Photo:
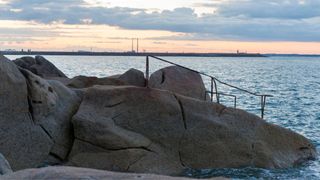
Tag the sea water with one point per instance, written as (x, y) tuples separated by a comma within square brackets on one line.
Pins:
[(293, 81)]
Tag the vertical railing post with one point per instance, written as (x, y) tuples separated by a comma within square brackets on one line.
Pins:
[(217, 93), (211, 92), (263, 105), (147, 71), (262, 110)]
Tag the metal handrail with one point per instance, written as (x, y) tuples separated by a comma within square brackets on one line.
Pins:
[(214, 85), (224, 94)]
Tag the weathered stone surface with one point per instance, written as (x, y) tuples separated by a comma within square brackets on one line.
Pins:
[(179, 80), (85, 82), (65, 81), (67, 173), (133, 77), (226, 137), (34, 117), (23, 143), (39, 66), (53, 106), (5, 167), (103, 131), (153, 131)]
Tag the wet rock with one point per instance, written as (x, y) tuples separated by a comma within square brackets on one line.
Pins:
[(179, 80), (147, 130), (39, 66)]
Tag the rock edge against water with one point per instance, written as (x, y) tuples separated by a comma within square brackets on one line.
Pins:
[(67, 173), (117, 124)]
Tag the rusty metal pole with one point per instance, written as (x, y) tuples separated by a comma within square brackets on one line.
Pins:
[(147, 71)]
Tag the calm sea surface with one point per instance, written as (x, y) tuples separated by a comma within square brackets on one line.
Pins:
[(294, 82)]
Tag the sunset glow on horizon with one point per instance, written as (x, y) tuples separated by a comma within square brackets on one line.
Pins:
[(205, 26)]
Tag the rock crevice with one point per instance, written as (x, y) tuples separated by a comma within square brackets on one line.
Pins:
[(118, 149), (182, 112)]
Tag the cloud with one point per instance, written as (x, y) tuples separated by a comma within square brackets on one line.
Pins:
[(283, 9), (108, 42), (158, 42), (25, 34), (242, 20)]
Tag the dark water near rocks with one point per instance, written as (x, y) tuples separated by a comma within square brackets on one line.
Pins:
[(294, 82)]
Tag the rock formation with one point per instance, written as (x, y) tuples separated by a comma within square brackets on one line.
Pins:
[(132, 77), (153, 131), (179, 80), (39, 66), (52, 105), (85, 82), (34, 117), (67, 173), (164, 130)]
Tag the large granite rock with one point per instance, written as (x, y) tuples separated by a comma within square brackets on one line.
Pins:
[(85, 82), (5, 167), (67, 173), (65, 81), (17, 129), (153, 131), (52, 106), (34, 117), (132, 77), (179, 80), (39, 66)]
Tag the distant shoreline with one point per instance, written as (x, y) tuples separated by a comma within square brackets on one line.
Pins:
[(62, 53), (85, 53)]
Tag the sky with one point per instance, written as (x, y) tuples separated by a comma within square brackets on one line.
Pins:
[(253, 26)]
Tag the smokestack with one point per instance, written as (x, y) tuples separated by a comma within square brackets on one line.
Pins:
[(137, 45), (132, 45)]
